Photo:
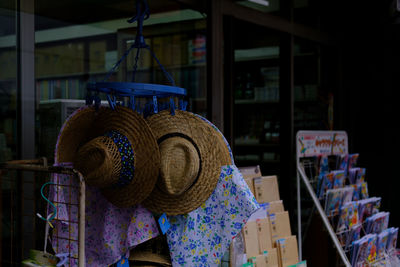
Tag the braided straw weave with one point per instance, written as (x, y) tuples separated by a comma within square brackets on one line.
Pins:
[(99, 162), (83, 133), (180, 197)]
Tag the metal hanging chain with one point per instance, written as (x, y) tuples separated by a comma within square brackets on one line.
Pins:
[(142, 13)]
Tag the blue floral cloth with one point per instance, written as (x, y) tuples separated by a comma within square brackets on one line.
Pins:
[(202, 237)]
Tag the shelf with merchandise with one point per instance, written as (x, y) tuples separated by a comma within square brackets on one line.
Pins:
[(254, 101)]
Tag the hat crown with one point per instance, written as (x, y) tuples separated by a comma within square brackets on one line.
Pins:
[(180, 165), (99, 161)]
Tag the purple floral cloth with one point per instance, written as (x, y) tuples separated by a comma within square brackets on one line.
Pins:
[(109, 231)]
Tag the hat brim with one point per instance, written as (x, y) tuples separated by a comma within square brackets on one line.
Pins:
[(213, 154), (88, 123)]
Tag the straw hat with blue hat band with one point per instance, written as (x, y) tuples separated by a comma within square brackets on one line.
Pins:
[(192, 154), (115, 150)]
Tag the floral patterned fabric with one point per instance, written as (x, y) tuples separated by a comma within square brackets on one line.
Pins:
[(109, 231), (201, 237)]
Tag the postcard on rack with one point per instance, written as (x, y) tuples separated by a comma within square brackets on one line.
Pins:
[(357, 249), (360, 191), (333, 201), (323, 166), (348, 216), (352, 175), (353, 235), (327, 183), (371, 249), (363, 189), (377, 223), (352, 160), (348, 193), (368, 207), (392, 239), (366, 250), (344, 162), (381, 243), (356, 192), (360, 175), (338, 179)]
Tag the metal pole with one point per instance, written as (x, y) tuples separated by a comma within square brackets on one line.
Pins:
[(81, 224), (323, 216), (299, 219)]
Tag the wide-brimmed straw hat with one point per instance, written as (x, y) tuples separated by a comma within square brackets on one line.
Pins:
[(192, 153), (114, 150)]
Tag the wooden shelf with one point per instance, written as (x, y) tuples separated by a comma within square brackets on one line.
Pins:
[(269, 145), (70, 75), (252, 101), (258, 161)]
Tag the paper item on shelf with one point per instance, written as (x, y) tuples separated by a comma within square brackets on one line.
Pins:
[(323, 164), (381, 243), (364, 250), (333, 202), (97, 50), (261, 213), (264, 235), (338, 179), (352, 160), (368, 207), (280, 225), (250, 236), (348, 194), (376, 223), (300, 264), (343, 161), (392, 239), (348, 216), (371, 249), (326, 184), (354, 234), (249, 173), (266, 189), (268, 259), (357, 175), (360, 191), (287, 250), (237, 254), (110, 58), (274, 206)]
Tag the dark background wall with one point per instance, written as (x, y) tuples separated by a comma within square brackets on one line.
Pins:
[(370, 43), (366, 104)]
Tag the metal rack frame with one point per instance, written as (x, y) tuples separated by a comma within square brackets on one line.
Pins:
[(40, 165), (329, 147)]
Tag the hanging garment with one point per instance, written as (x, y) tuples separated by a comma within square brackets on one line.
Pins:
[(201, 237), (109, 231)]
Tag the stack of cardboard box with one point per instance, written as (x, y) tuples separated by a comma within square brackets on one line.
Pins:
[(267, 237)]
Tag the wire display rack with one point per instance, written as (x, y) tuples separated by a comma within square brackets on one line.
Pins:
[(313, 143), (310, 144), (77, 183)]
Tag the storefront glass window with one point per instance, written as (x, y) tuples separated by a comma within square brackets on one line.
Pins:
[(82, 46), (256, 119), (8, 81), (8, 130), (312, 87)]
